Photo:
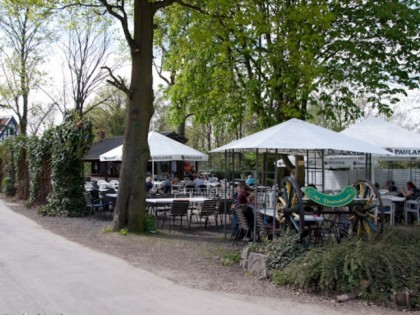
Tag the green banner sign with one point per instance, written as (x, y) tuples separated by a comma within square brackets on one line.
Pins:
[(343, 198)]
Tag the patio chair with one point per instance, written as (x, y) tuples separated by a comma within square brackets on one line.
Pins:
[(243, 229), (388, 210), (114, 184), (412, 206), (108, 203), (223, 207), (264, 229), (93, 205), (179, 208), (207, 209)]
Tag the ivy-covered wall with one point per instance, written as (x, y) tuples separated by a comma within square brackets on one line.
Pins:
[(48, 171), (69, 143), (39, 155)]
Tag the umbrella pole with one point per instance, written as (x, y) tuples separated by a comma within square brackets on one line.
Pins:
[(275, 196), (225, 197), (256, 197)]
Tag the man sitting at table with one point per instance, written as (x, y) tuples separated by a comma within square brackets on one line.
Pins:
[(166, 185), (390, 185), (199, 183)]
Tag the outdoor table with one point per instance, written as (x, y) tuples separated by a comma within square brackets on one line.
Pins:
[(308, 217), (394, 198), (155, 202)]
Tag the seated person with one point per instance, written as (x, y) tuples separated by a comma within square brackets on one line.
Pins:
[(213, 179), (199, 183), (412, 192), (148, 184), (174, 183), (390, 185), (188, 183), (250, 181), (165, 186)]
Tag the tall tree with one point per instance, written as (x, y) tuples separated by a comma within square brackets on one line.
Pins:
[(272, 59), (138, 33), (25, 36), (268, 61), (86, 45)]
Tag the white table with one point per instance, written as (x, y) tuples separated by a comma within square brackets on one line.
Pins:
[(167, 201), (308, 217), (394, 198), (157, 201)]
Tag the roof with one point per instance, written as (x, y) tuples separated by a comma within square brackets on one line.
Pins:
[(101, 147), (5, 120), (175, 136)]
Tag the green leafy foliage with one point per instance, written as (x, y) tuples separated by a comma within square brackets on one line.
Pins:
[(149, 223), (39, 156), (282, 251), (267, 61), (9, 182), (70, 141), (376, 269), (231, 259), (20, 167)]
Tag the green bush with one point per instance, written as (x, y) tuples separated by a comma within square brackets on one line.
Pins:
[(281, 251), (376, 269), (8, 186), (149, 223)]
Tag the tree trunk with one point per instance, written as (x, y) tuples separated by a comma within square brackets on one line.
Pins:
[(130, 208)]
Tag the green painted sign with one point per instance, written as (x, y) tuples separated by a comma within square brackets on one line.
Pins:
[(339, 200)]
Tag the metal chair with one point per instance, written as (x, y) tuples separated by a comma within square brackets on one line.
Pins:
[(207, 209), (264, 229), (179, 208), (244, 226), (108, 203), (93, 205), (223, 208)]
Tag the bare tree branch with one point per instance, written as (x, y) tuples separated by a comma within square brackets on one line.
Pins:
[(123, 18), (117, 82)]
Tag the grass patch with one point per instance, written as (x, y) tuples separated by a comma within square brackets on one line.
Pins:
[(231, 259), (107, 229)]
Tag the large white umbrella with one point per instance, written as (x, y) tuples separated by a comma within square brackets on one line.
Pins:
[(402, 142), (162, 148), (298, 137)]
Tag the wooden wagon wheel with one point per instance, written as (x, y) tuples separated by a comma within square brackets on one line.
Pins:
[(363, 215), (292, 205)]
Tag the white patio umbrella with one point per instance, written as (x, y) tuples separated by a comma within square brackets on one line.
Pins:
[(162, 148), (404, 143), (299, 137)]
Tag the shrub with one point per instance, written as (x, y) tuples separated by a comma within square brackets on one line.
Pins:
[(376, 269), (8, 186), (149, 223), (281, 251)]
